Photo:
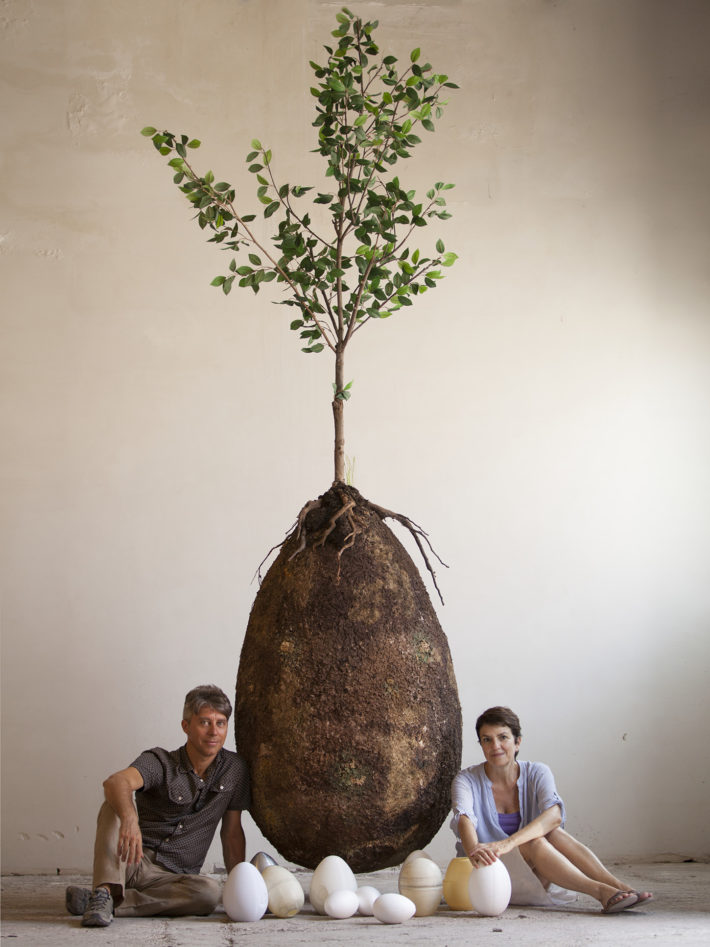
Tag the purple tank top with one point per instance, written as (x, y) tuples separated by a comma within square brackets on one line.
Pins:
[(509, 822)]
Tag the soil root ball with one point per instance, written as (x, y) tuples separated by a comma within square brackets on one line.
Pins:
[(347, 709)]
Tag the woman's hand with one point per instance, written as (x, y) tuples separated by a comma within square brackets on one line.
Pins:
[(485, 853)]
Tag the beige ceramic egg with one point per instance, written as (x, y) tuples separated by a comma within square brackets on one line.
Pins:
[(286, 895), (420, 881), (393, 908), (244, 895), (417, 853), (456, 884), (332, 874), (489, 889)]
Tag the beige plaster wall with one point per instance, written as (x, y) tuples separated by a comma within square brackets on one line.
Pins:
[(544, 414)]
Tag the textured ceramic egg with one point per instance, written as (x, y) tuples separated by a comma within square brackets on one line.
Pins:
[(393, 908), (332, 874), (341, 904), (244, 896), (456, 884), (489, 889), (366, 895), (417, 853), (261, 860), (420, 881), (286, 895)]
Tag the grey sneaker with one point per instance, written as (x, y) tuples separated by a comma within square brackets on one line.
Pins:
[(99, 911), (76, 899)]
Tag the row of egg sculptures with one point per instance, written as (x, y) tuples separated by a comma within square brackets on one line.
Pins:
[(486, 890), (334, 891)]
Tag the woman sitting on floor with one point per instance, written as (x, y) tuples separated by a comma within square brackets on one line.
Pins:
[(506, 808)]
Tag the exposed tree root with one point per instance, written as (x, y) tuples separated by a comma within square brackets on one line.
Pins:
[(348, 508), (301, 532), (301, 526), (418, 533), (347, 505)]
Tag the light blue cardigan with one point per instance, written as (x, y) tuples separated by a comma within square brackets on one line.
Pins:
[(472, 795)]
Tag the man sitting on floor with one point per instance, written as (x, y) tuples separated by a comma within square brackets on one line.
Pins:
[(148, 853)]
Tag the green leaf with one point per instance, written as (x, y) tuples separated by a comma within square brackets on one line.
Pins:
[(148, 131), (449, 259), (218, 280), (414, 55), (440, 246), (255, 143), (195, 143), (272, 208), (253, 258)]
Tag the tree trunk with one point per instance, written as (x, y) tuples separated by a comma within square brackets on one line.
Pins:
[(338, 416)]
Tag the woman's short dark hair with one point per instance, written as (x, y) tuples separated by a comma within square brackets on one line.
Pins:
[(499, 716), (206, 695)]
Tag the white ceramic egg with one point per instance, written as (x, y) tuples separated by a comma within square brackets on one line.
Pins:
[(332, 874), (341, 904), (366, 895), (244, 895), (393, 908), (420, 880), (286, 895), (489, 889)]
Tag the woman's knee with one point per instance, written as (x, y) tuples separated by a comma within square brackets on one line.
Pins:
[(532, 850)]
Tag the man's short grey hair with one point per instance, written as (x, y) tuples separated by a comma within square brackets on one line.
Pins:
[(206, 695)]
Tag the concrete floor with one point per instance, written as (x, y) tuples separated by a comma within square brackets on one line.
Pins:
[(33, 914)]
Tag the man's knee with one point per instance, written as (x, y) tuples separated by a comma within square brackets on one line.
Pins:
[(206, 893)]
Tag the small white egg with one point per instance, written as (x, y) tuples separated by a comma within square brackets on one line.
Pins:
[(332, 874), (244, 896), (341, 904), (366, 895), (286, 895), (489, 889), (393, 908)]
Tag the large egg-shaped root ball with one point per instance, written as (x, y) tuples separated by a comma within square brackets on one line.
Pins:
[(347, 710)]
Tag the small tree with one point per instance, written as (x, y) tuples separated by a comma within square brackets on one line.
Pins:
[(360, 266), (346, 709)]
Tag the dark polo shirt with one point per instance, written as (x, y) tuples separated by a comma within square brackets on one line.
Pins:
[(178, 812)]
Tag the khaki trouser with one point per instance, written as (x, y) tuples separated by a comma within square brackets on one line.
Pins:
[(147, 889)]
